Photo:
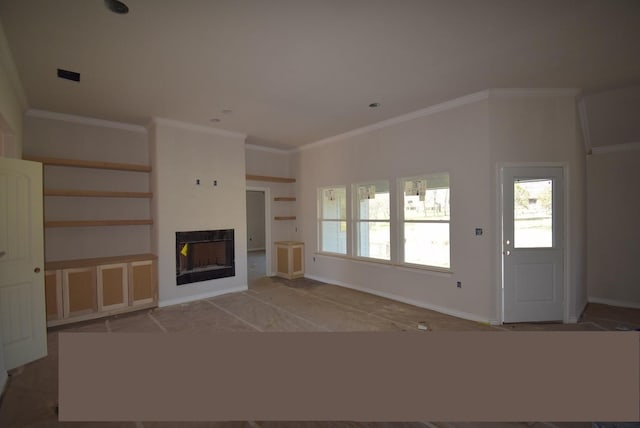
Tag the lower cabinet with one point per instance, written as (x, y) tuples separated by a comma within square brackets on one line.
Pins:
[(289, 259), (78, 290)]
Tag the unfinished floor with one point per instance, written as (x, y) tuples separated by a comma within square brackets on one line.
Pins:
[(270, 304)]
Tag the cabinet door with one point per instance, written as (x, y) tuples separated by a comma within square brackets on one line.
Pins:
[(53, 294), (113, 286), (79, 291), (282, 257), (142, 282)]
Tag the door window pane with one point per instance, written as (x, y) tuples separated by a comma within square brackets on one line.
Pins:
[(533, 213)]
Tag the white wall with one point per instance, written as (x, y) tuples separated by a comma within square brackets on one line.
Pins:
[(276, 163), (182, 153), (62, 136), (468, 138), (255, 220), (456, 141), (614, 234), (535, 128), (12, 103)]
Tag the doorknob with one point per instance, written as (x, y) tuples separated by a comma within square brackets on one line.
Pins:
[(37, 270)]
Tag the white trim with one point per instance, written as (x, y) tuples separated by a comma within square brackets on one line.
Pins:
[(198, 128), (409, 301), (614, 302), (267, 149), (187, 299), (43, 114), (584, 124), (268, 224), (447, 105), (534, 92), (625, 147)]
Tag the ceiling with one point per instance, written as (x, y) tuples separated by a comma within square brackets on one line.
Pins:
[(297, 71)]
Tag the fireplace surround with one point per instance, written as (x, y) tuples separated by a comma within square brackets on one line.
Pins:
[(203, 255)]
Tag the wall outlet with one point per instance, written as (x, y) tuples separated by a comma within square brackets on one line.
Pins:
[(459, 284)]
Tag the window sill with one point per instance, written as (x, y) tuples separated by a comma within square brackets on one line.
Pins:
[(388, 264)]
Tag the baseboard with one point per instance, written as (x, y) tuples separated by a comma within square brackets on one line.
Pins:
[(613, 302), (181, 300), (441, 309)]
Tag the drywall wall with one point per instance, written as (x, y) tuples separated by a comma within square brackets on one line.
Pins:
[(538, 128), (181, 154), (275, 163), (255, 220), (12, 103), (453, 140), (62, 136), (614, 235)]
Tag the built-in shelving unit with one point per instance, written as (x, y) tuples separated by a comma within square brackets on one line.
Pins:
[(284, 199), (289, 217), (83, 289)]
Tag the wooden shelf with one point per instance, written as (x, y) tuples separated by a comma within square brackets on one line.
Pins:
[(90, 223), (291, 217), (90, 164), (96, 193), (284, 199), (269, 178)]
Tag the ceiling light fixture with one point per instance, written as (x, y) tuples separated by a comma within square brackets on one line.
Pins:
[(374, 105), (116, 6)]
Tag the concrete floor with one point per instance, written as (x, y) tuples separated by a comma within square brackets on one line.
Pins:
[(270, 304)]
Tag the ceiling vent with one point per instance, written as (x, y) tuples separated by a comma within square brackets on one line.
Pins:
[(69, 75)]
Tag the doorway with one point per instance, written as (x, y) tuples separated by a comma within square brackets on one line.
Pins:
[(533, 231), (258, 233)]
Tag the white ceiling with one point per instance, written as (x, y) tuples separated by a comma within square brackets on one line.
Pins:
[(297, 71)]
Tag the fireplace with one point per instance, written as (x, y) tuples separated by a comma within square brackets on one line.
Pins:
[(203, 255)]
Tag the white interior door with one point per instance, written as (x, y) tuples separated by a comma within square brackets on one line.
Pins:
[(533, 244), (22, 299)]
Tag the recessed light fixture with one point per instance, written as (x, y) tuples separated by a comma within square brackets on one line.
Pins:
[(214, 120), (116, 6), (374, 105)]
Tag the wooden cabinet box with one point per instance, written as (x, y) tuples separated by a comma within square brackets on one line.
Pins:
[(290, 259), (83, 289)]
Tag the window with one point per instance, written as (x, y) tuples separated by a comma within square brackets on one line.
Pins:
[(332, 216), (372, 220), (426, 217)]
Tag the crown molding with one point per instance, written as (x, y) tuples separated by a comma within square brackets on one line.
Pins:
[(43, 114), (625, 147), (267, 149), (447, 105), (197, 128), (534, 92)]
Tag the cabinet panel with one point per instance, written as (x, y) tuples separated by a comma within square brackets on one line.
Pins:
[(112, 286), (142, 289), (53, 294), (79, 291)]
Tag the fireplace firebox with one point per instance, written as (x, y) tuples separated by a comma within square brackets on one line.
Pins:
[(203, 255)]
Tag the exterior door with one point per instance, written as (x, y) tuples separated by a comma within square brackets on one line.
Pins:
[(22, 295), (533, 244)]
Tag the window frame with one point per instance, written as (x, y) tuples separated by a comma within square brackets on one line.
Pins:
[(356, 220), (400, 188), (321, 220)]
